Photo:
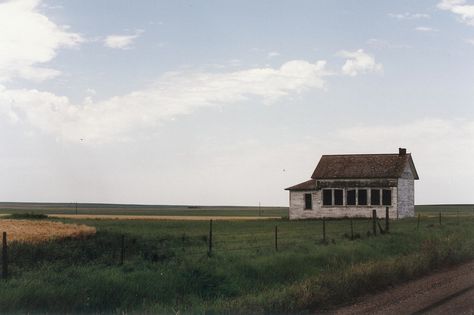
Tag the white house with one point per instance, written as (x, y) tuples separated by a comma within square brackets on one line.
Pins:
[(353, 185)]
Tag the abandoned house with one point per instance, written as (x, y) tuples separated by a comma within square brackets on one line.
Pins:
[(353, 185)]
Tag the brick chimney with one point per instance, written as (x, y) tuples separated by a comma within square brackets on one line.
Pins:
[(402, 151)]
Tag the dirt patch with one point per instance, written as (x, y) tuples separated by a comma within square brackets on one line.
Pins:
[(158, 217), (39, 231)]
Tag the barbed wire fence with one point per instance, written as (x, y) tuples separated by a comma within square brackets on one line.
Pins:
[(280, 237)]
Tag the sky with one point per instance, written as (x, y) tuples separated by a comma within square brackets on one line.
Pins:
[(229, 102)]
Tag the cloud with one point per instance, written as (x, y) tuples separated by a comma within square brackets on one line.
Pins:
[(460, 8), (470, 41), (121, 41), (359, 62), (172, 95), (425, 29), (28, 38), (273, 54), (409, 16), (378, 43)]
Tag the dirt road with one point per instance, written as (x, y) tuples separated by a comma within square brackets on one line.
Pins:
[(446, 292)]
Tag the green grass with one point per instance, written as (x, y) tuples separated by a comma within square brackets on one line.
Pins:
[(27, 216), (166, 266), (130, 209), (449, 210)]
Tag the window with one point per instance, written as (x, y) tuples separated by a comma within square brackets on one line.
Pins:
[(327, 197), (387, 197), (351, 197), (375, 197), (338, 197), (308, 202), (362, 196)]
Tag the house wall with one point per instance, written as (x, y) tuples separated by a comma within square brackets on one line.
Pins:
[(406, 194), (297, 203)]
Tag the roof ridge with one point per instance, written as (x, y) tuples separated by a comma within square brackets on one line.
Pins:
[(363, 154)]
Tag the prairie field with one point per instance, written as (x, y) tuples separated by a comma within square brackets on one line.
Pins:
[(130, 209), (258, 266), (40, 231)]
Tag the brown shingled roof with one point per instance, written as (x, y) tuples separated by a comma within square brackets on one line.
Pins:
[(307, 185), (363, 166)]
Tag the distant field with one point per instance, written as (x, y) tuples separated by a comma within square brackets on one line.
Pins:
[(130, 209), (159, 217), (446, 210), (189, 210)]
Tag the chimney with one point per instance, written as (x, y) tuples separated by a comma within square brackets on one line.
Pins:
[(402, 151)]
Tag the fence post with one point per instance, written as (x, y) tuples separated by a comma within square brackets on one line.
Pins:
[(387, 226), (374, 223), (209, 253), (352, 230), (276, 238), (324, 229), (418, 223), (440, 218), (4, 257)]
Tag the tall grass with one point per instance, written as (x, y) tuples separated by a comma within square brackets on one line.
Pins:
[(167, 267)]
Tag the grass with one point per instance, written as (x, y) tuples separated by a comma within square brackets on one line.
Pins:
[(166, 267), (27, 216), (130, 209)]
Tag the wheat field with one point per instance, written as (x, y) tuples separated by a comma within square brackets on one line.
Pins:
[(39, 231)]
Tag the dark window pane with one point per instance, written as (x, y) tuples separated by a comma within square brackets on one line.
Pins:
[(327, 197), (351, 197), (308, 202), (387, 197), (375, 197), (362, 195), (338, 197)]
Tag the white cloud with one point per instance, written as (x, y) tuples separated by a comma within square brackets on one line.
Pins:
[(470, 41), (174, 94), (460, 8), (273, 54), (359, 62), (409, 16), (378, 43), (121, 41), (28, 38), (425, 29)]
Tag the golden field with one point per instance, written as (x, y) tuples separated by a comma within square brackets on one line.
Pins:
[(34, 231)]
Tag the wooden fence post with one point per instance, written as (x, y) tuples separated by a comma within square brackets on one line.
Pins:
[(324, 229), (387, 226), (276, 238), (374, 223), (4, 257), (209, 253), (122, 249), (418, 223)]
